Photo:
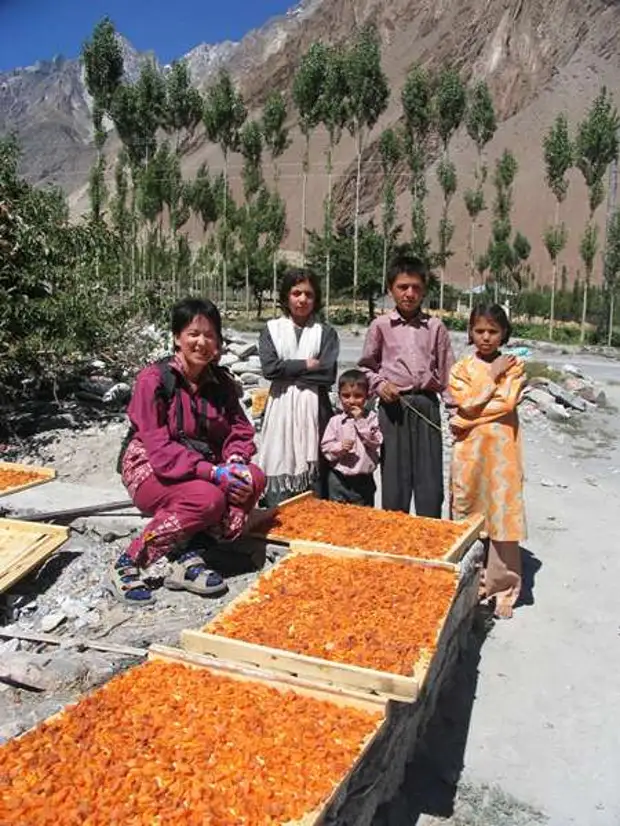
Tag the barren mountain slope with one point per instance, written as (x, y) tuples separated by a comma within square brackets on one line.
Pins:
[(539, 58)]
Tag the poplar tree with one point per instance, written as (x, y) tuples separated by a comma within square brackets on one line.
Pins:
[(481, 124), (333, 108), (391, 154), (558, 155), (596, 146), (276, 137), (308, 98), (449, 105), (368, 94), (416, 98), (224, 114), (102, 57)]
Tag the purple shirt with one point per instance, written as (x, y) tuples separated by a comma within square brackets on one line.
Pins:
[(366, 437), (413, 355), (154, 449)]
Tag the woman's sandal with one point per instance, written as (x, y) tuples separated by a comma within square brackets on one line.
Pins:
[(206, 583), (125, 581)]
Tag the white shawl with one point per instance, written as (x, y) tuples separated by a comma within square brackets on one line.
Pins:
[(289, 451)]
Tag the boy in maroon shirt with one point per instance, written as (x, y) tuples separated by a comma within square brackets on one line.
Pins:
[(407, 357)]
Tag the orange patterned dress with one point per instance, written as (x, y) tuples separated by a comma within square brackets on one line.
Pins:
[(487, 466)]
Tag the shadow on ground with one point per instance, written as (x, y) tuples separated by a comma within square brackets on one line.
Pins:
[(431, 778), (531, 567)]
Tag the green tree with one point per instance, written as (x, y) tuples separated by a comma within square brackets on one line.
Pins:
[(558, 154), (391, 154), (276, 137), (368, 94), (416, 98), (204, 204), (333, 109), (596, 146), (224, 114), (481, 124), (103, 71), (251, 147), (307, 91), (612, 270), (183, 106), (371, 255), (500, 250), (449, 109)]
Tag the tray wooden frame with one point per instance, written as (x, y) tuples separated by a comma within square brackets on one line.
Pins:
[(44, 540), (46, 475), (472, 528), (338, 795), (366, 681)]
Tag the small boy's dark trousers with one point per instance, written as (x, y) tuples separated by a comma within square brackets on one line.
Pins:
[(411, 455), (353, 490)]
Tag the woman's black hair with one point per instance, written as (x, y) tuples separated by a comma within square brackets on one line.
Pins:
[(406, 265), (295, 276), (186, 310), (493, 312)]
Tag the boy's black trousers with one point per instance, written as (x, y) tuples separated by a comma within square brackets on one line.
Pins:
[(411, 456)]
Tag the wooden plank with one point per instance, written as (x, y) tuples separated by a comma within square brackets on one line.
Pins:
[(303, 546), (77, 642), (283, 682), (474, 524), (472, 528), (24, 545), (45, 474), (366, 680)]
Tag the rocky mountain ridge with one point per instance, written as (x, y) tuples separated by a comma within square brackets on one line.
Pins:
[(539, 58)]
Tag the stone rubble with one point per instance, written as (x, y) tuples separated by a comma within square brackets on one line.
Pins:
[(559, 400)]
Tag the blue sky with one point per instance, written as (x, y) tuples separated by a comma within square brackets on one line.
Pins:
[(33, 30)]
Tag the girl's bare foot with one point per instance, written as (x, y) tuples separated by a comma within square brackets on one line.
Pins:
[(503, 609)]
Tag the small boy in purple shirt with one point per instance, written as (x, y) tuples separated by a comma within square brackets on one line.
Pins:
[(351, 444)]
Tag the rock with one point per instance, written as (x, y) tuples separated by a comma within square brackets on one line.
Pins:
[(601, 399), (74, 608), (10, 647), (228, 359), (52, 621), (96, 385), (119, 393), (65, 668), (254, 364), (97, 364), (555, 412), (240, 367), (565, 397), (12, 729), (24, 669), (537, 381), (249, 379), (243, 350), (576, 385), (575, 371), (99, 670)]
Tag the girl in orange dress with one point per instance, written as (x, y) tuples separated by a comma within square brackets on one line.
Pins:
[(487, 468)]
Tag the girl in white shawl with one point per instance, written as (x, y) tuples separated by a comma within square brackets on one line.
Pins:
[(299, 355)]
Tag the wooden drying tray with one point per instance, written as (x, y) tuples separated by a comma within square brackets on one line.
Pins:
[(45, 474), (472, 529), (24, 545), (346, 787), (366, 681)]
